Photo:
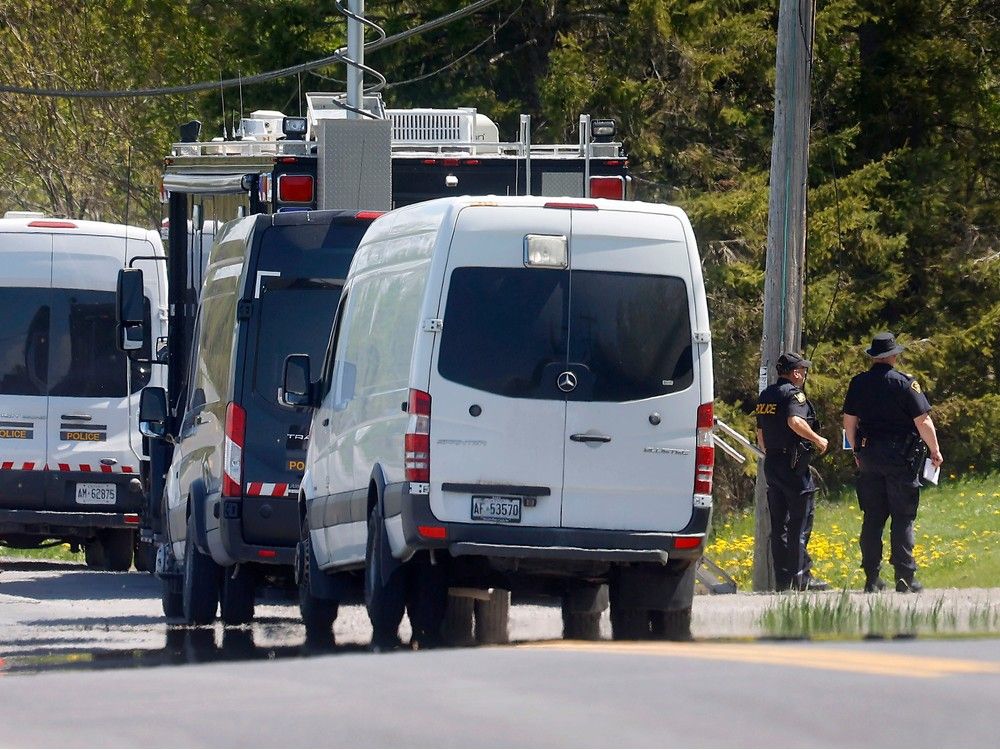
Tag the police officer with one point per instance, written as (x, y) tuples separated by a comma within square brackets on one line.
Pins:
[(786, 432), (887, 422)]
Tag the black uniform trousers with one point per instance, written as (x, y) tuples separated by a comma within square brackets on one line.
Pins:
[(887, 488), (791, 504)]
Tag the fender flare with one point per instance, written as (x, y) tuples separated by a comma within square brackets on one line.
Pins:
[(378, 478), (198, 507), (388, 563)]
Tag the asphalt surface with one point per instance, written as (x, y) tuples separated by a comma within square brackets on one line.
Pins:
[(86, 659)]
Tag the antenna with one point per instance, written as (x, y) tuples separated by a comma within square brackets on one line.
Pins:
[(222, 94), (239, 75), (128, 193), (299, 76)]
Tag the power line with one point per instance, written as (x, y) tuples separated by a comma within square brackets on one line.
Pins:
[(336, 57)]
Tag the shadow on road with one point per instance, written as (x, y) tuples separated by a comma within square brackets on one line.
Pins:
[(26, 565), (79, 584)]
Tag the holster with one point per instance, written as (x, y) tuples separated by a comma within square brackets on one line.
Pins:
[(800, 453)]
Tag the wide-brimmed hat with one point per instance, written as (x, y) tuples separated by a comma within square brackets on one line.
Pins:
[(884, 345), (790, 361)]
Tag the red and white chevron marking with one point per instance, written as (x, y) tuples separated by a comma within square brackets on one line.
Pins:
[(39, 466), (265, 489)]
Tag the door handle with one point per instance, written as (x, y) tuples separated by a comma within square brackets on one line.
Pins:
[(200, 419), (326, 422), (582, 437)]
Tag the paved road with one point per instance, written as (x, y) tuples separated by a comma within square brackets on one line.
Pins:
[(71, 639)]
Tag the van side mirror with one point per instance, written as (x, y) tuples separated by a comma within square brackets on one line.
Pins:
[(133, 332), (345, 378), (153, 412), (296, 384)]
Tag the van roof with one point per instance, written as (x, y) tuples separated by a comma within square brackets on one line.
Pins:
[(48, 224), (547, 200)]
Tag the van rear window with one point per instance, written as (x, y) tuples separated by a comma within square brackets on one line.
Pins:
[(510, 331)]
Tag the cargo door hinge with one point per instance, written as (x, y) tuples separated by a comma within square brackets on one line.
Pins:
[(703, 337), (433, 325), (244, 309)]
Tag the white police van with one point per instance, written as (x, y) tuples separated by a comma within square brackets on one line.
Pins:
[(517, 395), (70, 452)]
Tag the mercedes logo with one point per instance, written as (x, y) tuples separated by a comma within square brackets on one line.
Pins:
[(566, 382)]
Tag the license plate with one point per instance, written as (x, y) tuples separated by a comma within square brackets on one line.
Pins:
[(495, 508), (97, 494)]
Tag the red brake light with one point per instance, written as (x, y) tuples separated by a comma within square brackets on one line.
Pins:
[(687, 542), (368, 215), (471, 162), (287, 160), (295, 188), (132, 518), (607, 187), (450, 162), (432, 532), (50, 224), (579, 206), (232, 455), (704, 452), (267, 554), (417, 441)]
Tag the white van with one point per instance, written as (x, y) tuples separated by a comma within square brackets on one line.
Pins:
[(517, 395), (70, 450)]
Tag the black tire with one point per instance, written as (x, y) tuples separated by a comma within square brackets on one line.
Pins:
[(426, 599), (672, 625), (201, 582), (144, 556), (492, 618), (456, 630), (93, 554), (118, 545), (318, 615), (385, 599), (581, 626), (172, 597), (237, 595), (629, 624)]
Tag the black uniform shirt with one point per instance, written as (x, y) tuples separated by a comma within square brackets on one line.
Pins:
[(775, 405), (885, 401)]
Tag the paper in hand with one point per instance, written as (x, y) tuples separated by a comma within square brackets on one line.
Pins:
[(931, 472)]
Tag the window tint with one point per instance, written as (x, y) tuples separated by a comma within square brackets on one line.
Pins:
[(24, 341), (83, 358), (631, 335), (505, 332), (503, 328)]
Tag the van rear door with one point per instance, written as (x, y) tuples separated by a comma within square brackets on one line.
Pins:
[(25, 309), (297, 280), (497, 415), (88, 377), (631, 421)]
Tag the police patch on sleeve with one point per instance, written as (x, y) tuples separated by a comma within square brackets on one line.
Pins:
[(800, 397), (915, 386)]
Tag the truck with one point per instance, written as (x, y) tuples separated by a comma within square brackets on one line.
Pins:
[(276, 164)]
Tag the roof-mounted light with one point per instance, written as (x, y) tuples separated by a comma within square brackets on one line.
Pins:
[(603, 131), (294, 128), (546, 251)]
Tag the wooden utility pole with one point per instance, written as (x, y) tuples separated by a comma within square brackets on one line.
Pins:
[(786, 230)]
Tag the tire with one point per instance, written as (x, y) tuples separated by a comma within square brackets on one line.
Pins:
[(201, 582), (237, 595), (172, 598), (93, 554), (426, 599), (118, 545), (671, 625), (581, 626), (492, 617), (456, 630), (144, 557), (318, 615), (629, 624), (385, 600)]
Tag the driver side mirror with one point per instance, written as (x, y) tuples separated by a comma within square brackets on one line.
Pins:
[(296, 385), (133, 332), (153, 412)]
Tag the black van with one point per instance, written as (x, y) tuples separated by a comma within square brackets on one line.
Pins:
[(271, 289)]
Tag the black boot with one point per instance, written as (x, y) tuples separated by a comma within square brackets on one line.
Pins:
[(906, 583), (873, 583)]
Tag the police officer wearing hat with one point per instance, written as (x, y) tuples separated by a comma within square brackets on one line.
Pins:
[(887, 422), (786, 432)]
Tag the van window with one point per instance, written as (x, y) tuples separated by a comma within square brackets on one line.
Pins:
[(83, 358), (507, 328), (24, 353)]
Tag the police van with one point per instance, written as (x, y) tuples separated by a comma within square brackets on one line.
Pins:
[(71, 456), (271, 287), (517, 395)]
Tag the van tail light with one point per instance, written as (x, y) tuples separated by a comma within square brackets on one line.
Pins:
[(232, 455), (607, 187), (704, 452), (295, 188), (368, 215), (417, 442)]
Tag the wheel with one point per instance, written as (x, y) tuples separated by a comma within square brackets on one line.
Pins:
[(144, 556), (492, 617), (318, 615), (385, 595), (581, 626), (237, 595), (201, 582), (93, 554), (172, 597), (118, 545), (671, 625), (456, 630), (426, 598)]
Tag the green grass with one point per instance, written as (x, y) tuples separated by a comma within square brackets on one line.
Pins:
[(957, 534), (58, 552)]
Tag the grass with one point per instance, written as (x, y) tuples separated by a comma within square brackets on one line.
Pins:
[(58, 552), (957, 535)]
